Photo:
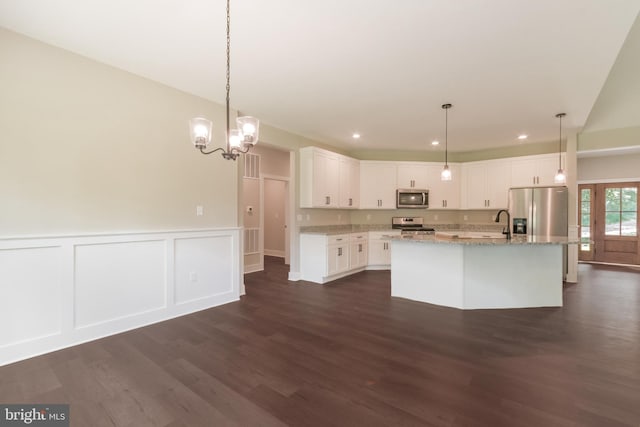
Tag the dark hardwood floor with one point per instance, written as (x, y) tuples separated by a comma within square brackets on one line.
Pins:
[(346, 354)]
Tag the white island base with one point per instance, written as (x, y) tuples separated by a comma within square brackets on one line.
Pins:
[(469, 276)]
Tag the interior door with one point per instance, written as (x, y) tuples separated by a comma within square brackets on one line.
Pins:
[(616, 223)]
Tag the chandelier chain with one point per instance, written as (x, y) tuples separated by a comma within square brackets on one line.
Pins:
[(228, 87)]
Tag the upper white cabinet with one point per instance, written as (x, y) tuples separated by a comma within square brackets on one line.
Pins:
[(327, 179), (444, 194), (349, 183), (377, 185), (486, 184), (412, 175), (535, 170)]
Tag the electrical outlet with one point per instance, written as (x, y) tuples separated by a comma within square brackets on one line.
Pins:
[(299, 217), (435, 217), (308, 217), (193, 277), (368, 217), (199, 210), (466, 217)]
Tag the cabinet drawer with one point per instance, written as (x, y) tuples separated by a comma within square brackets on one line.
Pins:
[(338, 238), (359, 237)]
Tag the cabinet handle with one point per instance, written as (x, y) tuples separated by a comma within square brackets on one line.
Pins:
[(489, 203), (350, 202), (339, 240), (339, 251), (327, 200), (360, 247)]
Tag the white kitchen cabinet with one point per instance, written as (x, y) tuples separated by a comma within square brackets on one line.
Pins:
[(338, 255), (486, 184), (412, 175), (534, 171), (443, 194), (324, 258), (377, 185), (349, 183), (380, 250), (358, 256), (319, 178)]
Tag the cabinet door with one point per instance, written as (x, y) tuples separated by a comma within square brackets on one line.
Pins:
[(358, 256), (524, 172), (349, 186), (548, 167), (412, 176), (379, 252), (444, 194), (326, 175), (319, 178), (377, 185), (476, 183), (498, 184), (337, 259)]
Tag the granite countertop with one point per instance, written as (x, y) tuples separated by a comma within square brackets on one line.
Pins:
[(331, 230), (476, 239)]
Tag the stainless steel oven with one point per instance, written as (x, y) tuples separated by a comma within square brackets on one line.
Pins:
[(411, 226)]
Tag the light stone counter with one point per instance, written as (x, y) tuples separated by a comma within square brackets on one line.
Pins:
[(483, 239)]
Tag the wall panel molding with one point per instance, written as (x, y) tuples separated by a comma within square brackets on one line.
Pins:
[(64, 290)]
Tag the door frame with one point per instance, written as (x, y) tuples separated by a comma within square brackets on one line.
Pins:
[(586, 255), (608, 181)]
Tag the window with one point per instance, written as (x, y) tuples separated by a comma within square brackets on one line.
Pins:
[(621, 211), (585, 219)]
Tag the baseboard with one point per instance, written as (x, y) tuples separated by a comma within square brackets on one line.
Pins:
[(294, 276), (253, 268), (271, 252)]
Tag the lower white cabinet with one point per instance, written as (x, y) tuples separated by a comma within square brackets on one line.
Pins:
[(380, 250), (358, 255), (324, 258)]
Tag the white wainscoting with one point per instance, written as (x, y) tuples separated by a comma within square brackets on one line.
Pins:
[(64, 290)]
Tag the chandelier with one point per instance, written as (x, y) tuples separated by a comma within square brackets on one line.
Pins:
[(239, 140)]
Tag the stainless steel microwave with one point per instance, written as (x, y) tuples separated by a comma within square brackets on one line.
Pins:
[(412, 198)]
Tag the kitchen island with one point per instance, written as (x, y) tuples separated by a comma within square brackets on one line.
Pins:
[(475, 271)]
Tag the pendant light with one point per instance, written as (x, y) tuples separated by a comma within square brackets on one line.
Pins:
[(445, 175), (238, 141), (561, 177)]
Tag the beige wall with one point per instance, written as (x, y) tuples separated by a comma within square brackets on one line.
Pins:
[(273, 161), (85, 147), (624, 167)]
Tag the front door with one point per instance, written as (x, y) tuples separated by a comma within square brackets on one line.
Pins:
[(615, 223)]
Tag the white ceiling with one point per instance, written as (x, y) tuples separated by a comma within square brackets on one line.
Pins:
[(325, 69)]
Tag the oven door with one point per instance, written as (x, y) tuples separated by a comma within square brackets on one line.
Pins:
[(418, 199)]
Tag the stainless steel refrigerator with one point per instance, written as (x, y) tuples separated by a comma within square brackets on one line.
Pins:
[(540, 211)]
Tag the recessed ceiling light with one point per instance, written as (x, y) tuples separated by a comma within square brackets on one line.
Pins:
[(356, 135), (435, 143), (523, 136)]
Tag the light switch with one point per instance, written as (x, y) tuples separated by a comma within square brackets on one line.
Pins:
[(199, 210), (193, 276)]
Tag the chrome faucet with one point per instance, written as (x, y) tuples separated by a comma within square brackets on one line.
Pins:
[(507, 229)]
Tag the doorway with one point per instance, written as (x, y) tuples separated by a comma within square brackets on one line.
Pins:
[(275, 208), (608, 214)]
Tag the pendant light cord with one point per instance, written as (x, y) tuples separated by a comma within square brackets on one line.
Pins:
[(446, 107), (560, 146), (560, 116)]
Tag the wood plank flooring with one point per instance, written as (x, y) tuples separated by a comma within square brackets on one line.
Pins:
[(346, 354)]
